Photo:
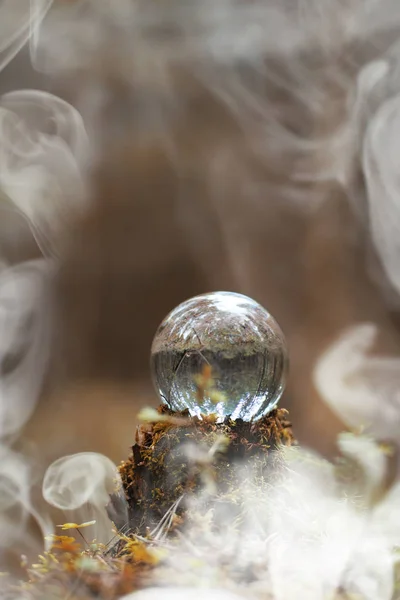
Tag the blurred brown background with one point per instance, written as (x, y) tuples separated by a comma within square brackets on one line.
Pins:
[(173, 214)]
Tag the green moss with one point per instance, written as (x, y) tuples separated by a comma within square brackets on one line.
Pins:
[(169, 460)]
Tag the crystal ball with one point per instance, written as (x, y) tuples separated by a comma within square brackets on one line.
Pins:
[(220, 353)]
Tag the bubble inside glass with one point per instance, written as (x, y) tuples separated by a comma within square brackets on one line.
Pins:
[(220, 353)]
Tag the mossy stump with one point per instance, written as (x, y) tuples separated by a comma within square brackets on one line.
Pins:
[(180, 455)]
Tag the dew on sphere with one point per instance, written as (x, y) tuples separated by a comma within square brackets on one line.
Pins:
[(220, 353)]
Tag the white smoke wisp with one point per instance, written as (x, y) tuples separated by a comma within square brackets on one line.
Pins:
[(80, 485), (325, 537), (43, 149), (25, 331), (313, 86), (220, 32), (19, 20), (280, 69), (362, 389), (380, 162), (307, 535), (16, 506), (25, 325), (228, 45), (44, 153)]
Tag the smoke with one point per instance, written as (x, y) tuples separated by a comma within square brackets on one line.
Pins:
[(379, 158), (25, 322), (17, 510), (43, 155), (18, 23), (312, 86), (362, 389), (327, 538), (82, 483), (311, 91), (320, 530)]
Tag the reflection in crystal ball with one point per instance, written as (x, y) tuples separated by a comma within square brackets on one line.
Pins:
[(220, 353)]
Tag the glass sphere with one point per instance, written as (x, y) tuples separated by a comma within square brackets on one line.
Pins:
[(220, 353)]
